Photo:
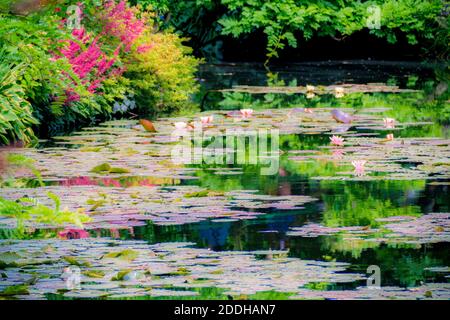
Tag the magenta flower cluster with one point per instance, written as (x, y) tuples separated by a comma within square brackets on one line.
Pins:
[(89, 63), (85, 55), (121, 22)]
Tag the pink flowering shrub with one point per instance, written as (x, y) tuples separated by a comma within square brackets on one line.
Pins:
[(88, 62), (122, 22), (74, 77), (84, 53)]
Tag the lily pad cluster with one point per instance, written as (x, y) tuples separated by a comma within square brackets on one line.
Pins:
[(401, 159), (429, 228), (435, 291), (105, 268), (111, 207), (347, 88)]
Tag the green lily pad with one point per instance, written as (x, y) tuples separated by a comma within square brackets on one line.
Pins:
[(8, 259), (74, 261), (94, 273), (20, 289), (104, 167), (119, 170), (120, 275), (127, 254)]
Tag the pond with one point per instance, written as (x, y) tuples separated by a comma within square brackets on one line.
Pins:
[(361, 215)]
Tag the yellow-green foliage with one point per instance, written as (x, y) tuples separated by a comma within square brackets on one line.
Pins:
[(163, 76), (27, 209)]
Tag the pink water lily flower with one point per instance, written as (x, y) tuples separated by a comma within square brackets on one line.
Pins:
[(390, 137), (246, 112), (310, 88), (360, 170), (73, 234), (337, 141), (389, 122), (338, 154), (207, 119)]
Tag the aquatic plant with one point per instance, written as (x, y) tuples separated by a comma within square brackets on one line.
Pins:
[(429, 228), (337, 141), (134, 268), (339, 92), (246, 112), (359, 166), (389, 123), (207, 119)]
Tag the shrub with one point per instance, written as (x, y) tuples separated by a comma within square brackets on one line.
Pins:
[(162, 77), (66, 77), (31, 42), (16, 116)]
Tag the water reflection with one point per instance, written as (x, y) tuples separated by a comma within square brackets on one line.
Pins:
[(340, 203)]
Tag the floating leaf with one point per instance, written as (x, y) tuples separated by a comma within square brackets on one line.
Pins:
[(15, 290), (127, 254)]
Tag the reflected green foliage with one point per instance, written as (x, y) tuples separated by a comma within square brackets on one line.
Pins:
[(348, 204), (340, 203), (18, 161), (406, 107), (27, 209)]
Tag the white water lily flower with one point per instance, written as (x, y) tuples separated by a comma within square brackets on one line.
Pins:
[(180, 125), (310, 88), (339, 92)]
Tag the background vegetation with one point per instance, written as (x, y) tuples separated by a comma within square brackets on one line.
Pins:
[(61, 70), (129, 58), (291, 23)]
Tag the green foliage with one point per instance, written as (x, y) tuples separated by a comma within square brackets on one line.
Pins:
[(16, 116), (287, 22), (27, 209), (281, 21), (36, 78), (163, 77), (196, 20), (31, 42), (17, 160), (28, 45)]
